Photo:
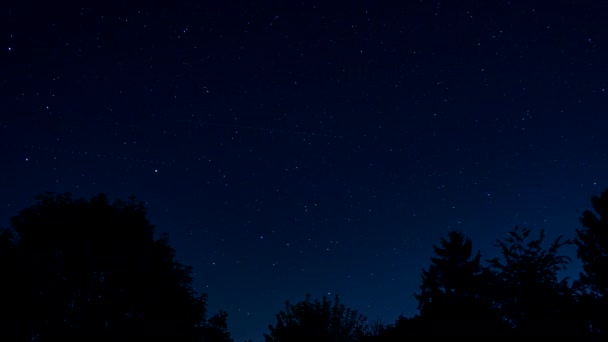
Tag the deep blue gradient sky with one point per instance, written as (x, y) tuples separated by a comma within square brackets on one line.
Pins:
[(310, 147)]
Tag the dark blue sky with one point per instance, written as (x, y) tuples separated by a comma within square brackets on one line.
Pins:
[(310, 147)]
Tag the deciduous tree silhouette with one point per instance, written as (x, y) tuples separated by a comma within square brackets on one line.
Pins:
[(404, 329), (532, 299), (216, 328), (454, 298), (592, 250), (319, 321), (90, 270)]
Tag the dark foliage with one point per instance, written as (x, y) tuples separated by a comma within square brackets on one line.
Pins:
[(76, 270), (90, 270), (319, 321), (216, 329), (455, 293), (514, 296), (592, 242), (531, 298), (592, 250)]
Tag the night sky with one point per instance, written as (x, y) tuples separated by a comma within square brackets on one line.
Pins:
[(310, 147)]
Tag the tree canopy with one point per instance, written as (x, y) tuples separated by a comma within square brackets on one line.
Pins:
[(592, 250), (532, 299), (318, 320), (455, 291), (80, 269)]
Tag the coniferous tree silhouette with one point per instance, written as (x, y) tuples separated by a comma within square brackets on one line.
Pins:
[(592, 250), (91, 270), (531, 297), (319, 321), (455, 293)]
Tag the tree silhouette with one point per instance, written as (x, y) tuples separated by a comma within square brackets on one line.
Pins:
[(454, 298), (79, 269), (532, 299), (318, 321), (404, 329), (216, 329), (592, 250)]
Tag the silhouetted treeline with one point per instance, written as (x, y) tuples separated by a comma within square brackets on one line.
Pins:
[(76, 270), (518, 294), (90, 270)]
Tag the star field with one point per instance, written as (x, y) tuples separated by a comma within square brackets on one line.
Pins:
[(310, 147)]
